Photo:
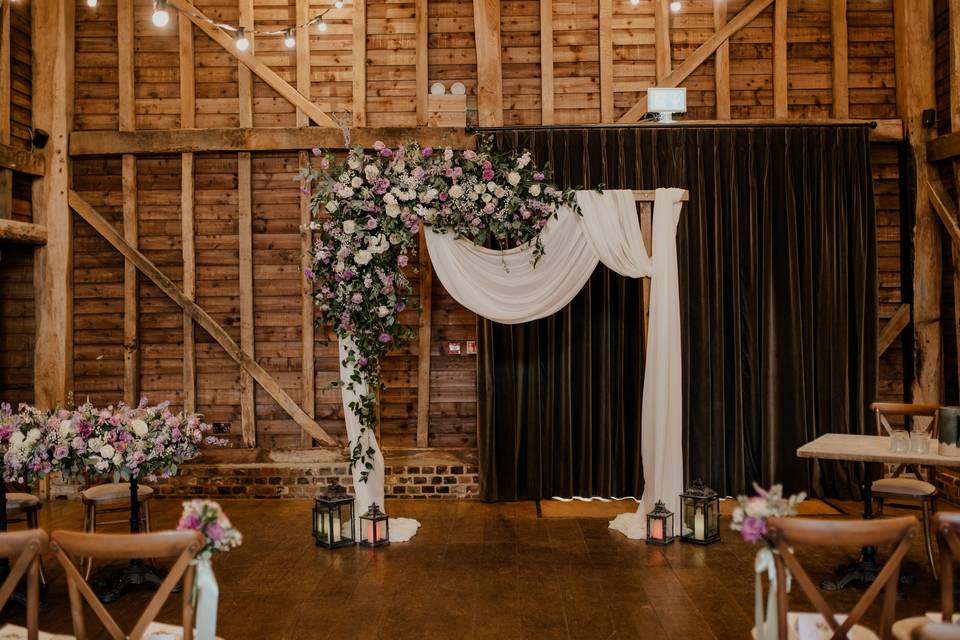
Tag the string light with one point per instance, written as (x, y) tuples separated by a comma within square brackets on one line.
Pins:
[(338, 4), (160, 15), (241, 40), (289, 39), (321, 25), (91, 3), (675, 6), (635, 2)]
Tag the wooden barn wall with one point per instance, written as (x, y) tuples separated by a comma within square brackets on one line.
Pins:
[(17, 323), (391, 100)]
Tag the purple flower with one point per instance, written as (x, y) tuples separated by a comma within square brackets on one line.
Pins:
[(383, 338), (752, 529), (305, 191), (427, 152), (538, 176), (214, 531), (317, 151), (444, 196), (400, 307), (470, 154), (310, 274), (386, 153), (356, 298), (189, 521), (371, 223), (348, 274), (488, 175), (402, 261), (362, 362), (60, 453)]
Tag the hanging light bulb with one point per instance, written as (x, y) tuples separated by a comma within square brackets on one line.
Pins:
[(91, 3), (338, 4), (160, 15), (321, 25), (675, 6), (289, 39), (241, 40), (635, 2)]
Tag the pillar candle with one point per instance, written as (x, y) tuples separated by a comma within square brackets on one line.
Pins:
[(656, 529), (698, 528)]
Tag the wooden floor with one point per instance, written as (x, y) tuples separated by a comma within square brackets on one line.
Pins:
[(475, 571)]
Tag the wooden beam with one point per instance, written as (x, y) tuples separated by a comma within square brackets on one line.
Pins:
[(128, 180), (422, 62), (944, 206), (605, 32), (360, 63), (914, 47), (661, 38), (840, 67), (890, 331), (954, 63), (722, 63), (6, 61), (261, 70), (89, 143), (425, 330), (22, 232), (944, 147), (22, 160), (704, 51), (248, 407), (216, 331), (188, 94), (486, 21), (780, 80), (52, 27), (546, 62), (303, 58), (307, 305)]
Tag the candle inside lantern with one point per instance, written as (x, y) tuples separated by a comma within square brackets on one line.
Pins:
[(370, 532), (698, 528), (337, 529), (656, 529)]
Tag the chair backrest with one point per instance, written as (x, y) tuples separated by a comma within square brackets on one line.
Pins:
[(947, 526), (23, 550), (182, 545), (937, 631), (882, 409), (788, 533)]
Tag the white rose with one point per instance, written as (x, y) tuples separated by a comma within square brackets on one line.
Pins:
[(491, 186), (378, 243), (107, 451), (332, 206), (456, 191), (479, 188), (500, 192), (65, 427), (17, 438), (118, 459), (33, 435), (363, 257), (139, 427), (347, 193), (390, 198), (356, 182), (523, 160), (383, 312), (534, 190), (339, 267), (349, 226), (353, 163), (393, 210), (513, 178), (371, 171), (486, 197), (395, 238), (399, 166), (448, 154)]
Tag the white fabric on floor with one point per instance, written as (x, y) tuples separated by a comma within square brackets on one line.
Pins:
[(505, 287), (401, 529)]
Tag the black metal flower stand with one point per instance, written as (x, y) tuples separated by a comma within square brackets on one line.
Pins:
[(137, 572)]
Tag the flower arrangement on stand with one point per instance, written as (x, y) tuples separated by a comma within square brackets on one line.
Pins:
[(750, 519), (368, 209)]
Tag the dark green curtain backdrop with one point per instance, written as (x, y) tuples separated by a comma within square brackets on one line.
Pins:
[(778, 295)]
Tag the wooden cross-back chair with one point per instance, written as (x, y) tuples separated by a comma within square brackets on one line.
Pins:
[(788, 533), (919, 488), (23, 549), (182, 545)]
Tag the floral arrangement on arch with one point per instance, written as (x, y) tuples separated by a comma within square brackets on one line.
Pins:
[(207, 517), (368, 209)]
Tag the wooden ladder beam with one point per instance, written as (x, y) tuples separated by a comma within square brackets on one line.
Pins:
[(204, 319)]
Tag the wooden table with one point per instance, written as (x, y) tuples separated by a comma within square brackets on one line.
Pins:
[(867, 449)]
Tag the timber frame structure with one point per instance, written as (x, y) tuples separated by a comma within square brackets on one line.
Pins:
[(172, 130)]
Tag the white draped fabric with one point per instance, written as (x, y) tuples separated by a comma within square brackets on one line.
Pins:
[(372, 490), (506, 287)]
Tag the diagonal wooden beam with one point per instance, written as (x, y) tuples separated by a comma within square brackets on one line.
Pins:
[(253, 63), (944, 206), (191, 308), (897, 323), (698, 57)]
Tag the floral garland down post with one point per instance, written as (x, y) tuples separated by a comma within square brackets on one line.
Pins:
[(368, 210)]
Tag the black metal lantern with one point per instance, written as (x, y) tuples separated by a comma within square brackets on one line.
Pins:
[(333, 524), (374, 527), (699, 514), (660, 525)]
